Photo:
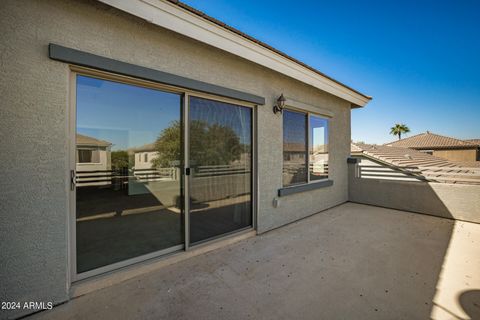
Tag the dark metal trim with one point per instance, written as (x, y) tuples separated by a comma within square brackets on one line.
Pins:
[(352, 160), (304, 187), (85, 59)]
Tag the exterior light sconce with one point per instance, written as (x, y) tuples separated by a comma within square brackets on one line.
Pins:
[(280, 104)]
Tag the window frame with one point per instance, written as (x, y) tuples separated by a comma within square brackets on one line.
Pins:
[(307, 140), (75, 70), (92, 156)]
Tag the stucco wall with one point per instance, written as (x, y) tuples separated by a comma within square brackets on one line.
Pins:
[(457, 154), (34, 119), (139, 158), (446, 200)]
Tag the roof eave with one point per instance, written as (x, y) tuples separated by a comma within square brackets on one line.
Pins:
[(180, 20)]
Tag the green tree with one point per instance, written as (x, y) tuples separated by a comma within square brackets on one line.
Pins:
[(209, 145), (168, 146), (120, 159), (398, 129)]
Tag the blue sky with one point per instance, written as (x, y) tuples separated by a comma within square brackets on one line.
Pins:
[(124, 115), (420, 60), (130, 116)]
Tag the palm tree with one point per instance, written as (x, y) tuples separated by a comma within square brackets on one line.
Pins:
[(398, 129)]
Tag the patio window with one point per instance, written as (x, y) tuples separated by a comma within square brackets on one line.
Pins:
[(305, 148), (145, 157)]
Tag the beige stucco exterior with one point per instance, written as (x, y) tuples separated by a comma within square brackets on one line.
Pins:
[(140, 157), (34, 122), (457, 201), (462, 155)]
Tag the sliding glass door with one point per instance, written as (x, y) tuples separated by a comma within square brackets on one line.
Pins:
[(129, 179), (221, 164), (128, 172)]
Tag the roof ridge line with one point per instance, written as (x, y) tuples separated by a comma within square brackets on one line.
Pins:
[(259, 42)]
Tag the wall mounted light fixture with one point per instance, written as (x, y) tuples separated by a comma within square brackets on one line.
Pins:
[(280, 104)]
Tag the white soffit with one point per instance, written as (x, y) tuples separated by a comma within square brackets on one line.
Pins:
[(308, 107), (172, 17)]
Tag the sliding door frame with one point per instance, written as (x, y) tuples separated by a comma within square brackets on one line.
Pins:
[(71, 129), (253, 166)]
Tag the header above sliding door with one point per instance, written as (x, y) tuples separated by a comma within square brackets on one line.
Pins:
[(85, 59)]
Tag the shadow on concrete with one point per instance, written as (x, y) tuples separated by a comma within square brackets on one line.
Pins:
[(455, 202), (470, 302), (349, 262)]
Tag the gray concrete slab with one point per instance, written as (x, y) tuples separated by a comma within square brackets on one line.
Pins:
[(349, 262)]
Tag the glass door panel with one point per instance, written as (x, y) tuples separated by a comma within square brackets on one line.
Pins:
[(318, 148), (128, 172), (221, 168)]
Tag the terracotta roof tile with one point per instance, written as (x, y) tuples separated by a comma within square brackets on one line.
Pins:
[(432, 141), (474, 141), (149, 147), (401, 157), (294, 147), (83, 140), (407, 159)]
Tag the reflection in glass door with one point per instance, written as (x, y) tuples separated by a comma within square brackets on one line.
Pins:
[(220, 147), (128, 172)]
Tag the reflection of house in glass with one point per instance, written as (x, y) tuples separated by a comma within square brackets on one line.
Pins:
[(319, 161), (294, 160), (146, 169), (294, 152), (144, 156), (318, 148), (93, 157)]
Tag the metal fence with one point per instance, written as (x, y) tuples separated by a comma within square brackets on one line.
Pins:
[(463, 175), (121, 177)]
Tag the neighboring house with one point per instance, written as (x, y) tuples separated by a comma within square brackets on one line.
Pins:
[(134, 68), (295, 157), (396, 163), (477, 162), (144, 169), (441, 146), (294, 152), (93, 156), (143, 156), (474, 141)]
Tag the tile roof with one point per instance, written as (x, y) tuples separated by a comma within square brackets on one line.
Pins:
[(294, 147), (400, 157), (149, 147), (263, 44), (83, 140), (469, 164), (474, 141), (423, 164), (432, 141), (356, 148)]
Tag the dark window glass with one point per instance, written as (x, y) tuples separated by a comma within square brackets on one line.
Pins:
[(220, 161), (318, 148), (294, 147), (126, 208), (84, 156)]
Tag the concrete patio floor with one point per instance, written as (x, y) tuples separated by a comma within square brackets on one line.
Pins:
[(349, 262)]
